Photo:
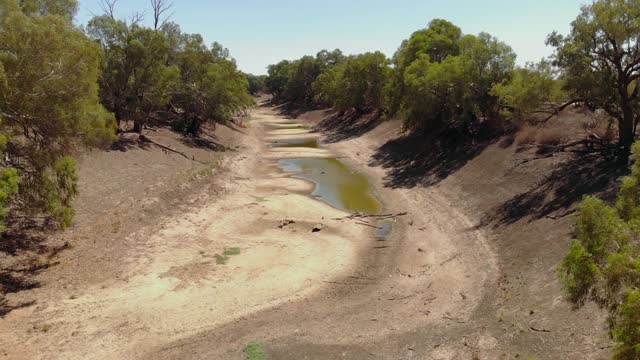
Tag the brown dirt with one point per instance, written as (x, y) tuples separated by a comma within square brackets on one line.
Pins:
[(469, 273)]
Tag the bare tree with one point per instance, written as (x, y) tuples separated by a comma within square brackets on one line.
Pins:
[(136, 18), (160, 7), (108, 7)]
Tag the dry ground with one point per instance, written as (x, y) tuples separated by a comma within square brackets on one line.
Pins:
[(469, 273)]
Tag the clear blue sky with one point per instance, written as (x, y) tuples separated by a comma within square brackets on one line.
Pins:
[(261, 32)]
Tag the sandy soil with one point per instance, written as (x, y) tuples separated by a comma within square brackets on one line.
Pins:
[(169, 285), (429, 274), (444, 285)]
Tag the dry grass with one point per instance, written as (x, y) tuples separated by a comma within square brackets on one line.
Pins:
[(530, 135), (570, 125)]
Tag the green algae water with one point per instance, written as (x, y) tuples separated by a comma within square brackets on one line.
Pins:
[(335, 183), (287, 143)]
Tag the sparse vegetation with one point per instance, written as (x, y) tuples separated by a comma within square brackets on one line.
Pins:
[(231, 251), (254, 351), (603, 264), (222, 259), (66, 87)]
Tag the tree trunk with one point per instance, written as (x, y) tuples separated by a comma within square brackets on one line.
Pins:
[(626, 130), (137, 127)]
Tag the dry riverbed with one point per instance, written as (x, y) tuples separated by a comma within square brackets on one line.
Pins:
[(273, 259)]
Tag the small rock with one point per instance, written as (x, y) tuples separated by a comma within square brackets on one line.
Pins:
[(285, 223), (420, 250), (317, 228)]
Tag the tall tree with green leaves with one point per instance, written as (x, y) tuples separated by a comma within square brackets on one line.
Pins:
[(438, 41), (356, 83), (137, 77), (600, 61), (49, 103), (211, 88), (528, 91), (455, 90)]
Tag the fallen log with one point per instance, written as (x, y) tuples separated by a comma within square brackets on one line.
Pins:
[(374, 216), (145, 138)]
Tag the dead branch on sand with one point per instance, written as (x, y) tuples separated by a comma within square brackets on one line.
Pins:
[(560, 216), (377, 217), (168, 148)]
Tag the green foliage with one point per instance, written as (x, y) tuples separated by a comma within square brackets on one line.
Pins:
[(454, 90), (62, 188), (9, 186), (600, 59), (277, 78), (254, 351), (65, 8), (579, 273), (292, 81), (438, 41), (437, 78), (302, 74), (434, 93), (327, 88), (627, 331), (603, 263), (137, 79), (528, 90), (356, 83), (49, 101), (210, 88), (599, 228), (256, 83), (147, 71), (231, 251)]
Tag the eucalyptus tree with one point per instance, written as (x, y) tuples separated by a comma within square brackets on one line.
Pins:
[(600, 61), (48, 103)]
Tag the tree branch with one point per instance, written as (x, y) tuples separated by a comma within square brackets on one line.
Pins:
[(557, 111)]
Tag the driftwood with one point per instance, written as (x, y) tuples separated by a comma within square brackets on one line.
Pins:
[(367, 224), (377, 217), (554, 111), (539, 330), (565, 214), (168, 148)]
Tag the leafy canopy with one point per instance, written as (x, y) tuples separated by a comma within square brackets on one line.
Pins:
[(603, 263), (600, 60), (49, 103)]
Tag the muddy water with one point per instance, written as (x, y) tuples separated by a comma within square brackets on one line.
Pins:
[(335, 183), (304, 143)]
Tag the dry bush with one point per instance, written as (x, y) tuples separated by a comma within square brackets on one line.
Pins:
[(570, 125), (601, 125), (553, 136), (526, 135)]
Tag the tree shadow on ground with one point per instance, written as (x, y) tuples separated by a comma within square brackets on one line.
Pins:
[(13, 281), (417, 159), (24, 233), (203, 143), (11, 284), (25, 241), (292, 110), (349, 125), (580, 175), (6, 308), (128, 142)]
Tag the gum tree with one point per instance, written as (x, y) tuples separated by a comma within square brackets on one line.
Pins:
[(600, 61)]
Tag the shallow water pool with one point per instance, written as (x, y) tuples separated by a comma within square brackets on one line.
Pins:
[(335, 183)]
